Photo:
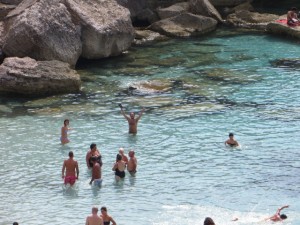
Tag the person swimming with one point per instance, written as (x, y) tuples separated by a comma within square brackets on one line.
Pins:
[(231, 141)]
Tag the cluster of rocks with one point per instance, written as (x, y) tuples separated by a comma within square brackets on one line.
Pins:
[(42, 40)]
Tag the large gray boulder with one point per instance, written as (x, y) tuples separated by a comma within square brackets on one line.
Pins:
[(27, 76), (173, 10), (185, 25), (283, 29), (42, 30), (204, 8), (106, 28)]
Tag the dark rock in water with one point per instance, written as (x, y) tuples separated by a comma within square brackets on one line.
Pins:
[(289, 63)]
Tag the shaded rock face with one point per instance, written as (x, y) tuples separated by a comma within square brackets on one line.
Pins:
[(283, 29), (185, 25), (5, 9), (204, 8), (10, 2), (135, 7), (30, 77), (228, 2), (106, 27), (173, 10), (42, 30)]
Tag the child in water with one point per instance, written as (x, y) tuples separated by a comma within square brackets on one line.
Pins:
[(64, 132)]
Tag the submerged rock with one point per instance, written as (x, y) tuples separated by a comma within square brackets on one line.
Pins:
[(30, 77), (289, 63)]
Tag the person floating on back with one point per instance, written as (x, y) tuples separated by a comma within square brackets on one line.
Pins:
[(231, 141), (277, 216), (72, 171), (132, 121), (292, 18)]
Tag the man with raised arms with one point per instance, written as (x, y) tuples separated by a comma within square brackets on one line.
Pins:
[(70, 166), (132, 121), (94, 219)]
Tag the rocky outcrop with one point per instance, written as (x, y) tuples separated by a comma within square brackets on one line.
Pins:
[(248, 19), (185, 25), (42, 30), (283, 29), (173, 10), (106, 28), (27, 76), (204, 8)]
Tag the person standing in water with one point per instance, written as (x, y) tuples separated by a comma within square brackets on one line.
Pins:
[(106, 218), (132, 121), (132, 163), (94, 219), (96, 172), (124, 157), (64, 132), (231, 141), (72, 171), (119, 168)]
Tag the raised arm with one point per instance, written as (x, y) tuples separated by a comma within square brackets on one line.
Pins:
[(283, 207), (140, 114), (123, 113)]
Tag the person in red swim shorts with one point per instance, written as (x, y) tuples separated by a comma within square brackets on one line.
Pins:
[(70, 170)]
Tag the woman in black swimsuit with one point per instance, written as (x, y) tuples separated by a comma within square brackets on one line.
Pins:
[(119, 168), (231, 142), (106, 218)]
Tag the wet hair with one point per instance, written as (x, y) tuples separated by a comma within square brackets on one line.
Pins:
[(71, 154), (208, 221), (93, 145), (294, 9), (231, 135), (15, 223), (65, 121), (104, 208), (283, 216), (119, 157)]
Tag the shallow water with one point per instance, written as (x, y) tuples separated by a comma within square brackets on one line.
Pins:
[(195, 92)]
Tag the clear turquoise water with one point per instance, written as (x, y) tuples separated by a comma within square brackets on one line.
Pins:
[(207, 88)]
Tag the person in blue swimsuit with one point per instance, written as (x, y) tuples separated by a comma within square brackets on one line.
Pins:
[(106, 218)]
